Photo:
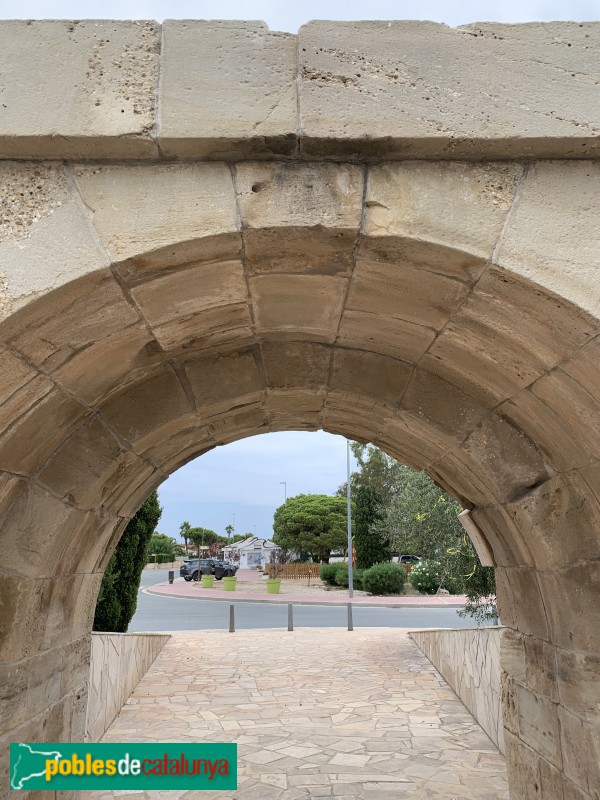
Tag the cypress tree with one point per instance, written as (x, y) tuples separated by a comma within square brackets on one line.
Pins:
[(117, 599), (370, 544)]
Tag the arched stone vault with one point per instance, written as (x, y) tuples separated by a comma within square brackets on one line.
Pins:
[(446, 310)]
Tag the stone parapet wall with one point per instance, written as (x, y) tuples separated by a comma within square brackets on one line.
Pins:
[(469, 660), (406, 89), (118, 662)]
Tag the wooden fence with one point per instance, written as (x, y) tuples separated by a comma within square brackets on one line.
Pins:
[(295, 572)]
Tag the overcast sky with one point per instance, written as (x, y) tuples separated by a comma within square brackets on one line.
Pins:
[(245, 478)]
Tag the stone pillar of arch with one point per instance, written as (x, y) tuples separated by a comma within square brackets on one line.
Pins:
[(162, 292)]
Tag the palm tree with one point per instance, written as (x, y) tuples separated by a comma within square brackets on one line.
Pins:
[(184, 530), (229, 529)]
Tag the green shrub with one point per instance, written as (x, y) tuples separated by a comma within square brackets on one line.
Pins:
[(327, 573), (426, 576), (453, 584), (357, 576), (341, 575), (384, 579)]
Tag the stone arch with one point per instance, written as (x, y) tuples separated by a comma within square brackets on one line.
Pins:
[(412, 304), (162, 292)]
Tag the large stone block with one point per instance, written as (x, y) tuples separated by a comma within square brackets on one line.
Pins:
[(551, 433), (508, 543), (404, 291), (188, 202), (441, 406), (97, 98), (368, 374), (296, 365), (574, 611), (581, 750), (509, 461), (228, 89), (300, 218), (505, 335), (298, 306), (538, 724), (182, 307), (45, 239), (37, 430), (552, 237), (460, 207), (578, 683), (147, 411), (415, 89), (382, 334), (224, 382), (559, 521), (91, 466)]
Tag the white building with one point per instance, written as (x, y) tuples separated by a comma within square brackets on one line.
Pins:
[(254, 552)]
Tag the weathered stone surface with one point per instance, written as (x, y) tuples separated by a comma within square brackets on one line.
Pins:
[(145, 412), (178, 306), (187, 202), (91, 467), (538, 724), (522, 591), (296, 365), (63, 324), (399, 89), (26, 444), (558, 520), (552, 237), (508, 542), (300, 218), (298, 306), (370, 375), (578, 683), (551, 433), (227, 89), (404, 291), (221, 383), (509, 460), (506, 335), (574, 612), (461, 207), (98, 98), (45, 239), (581, 747), (382, 334), (441, 405)]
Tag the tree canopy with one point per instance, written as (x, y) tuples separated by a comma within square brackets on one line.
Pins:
[(205, 537), (162, 545), (117, 599), (313, 524)]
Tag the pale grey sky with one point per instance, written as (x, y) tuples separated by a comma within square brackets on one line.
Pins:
[(244, 478)]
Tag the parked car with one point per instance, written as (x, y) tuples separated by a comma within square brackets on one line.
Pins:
[(194, 569), (409, 559)]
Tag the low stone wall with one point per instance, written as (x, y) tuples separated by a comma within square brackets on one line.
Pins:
[(469, 660), (118, 662)]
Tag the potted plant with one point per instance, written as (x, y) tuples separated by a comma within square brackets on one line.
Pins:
[(279, 557), (207, 581)]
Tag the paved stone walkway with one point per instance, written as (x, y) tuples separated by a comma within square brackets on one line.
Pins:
[(316, 714)]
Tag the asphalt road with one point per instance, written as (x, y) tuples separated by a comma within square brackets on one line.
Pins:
[(156, 613)]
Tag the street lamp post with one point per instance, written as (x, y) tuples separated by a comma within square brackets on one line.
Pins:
[(284, 484), (350, 574)]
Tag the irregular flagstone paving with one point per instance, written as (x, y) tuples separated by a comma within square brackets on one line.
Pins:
[(315, 713)]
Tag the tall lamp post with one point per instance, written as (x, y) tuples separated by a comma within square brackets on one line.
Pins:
[(350, 567), (284, 484)]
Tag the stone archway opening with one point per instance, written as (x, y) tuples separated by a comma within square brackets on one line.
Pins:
[(445, 310)]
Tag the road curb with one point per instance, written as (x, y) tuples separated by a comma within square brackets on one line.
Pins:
[(274, 602)]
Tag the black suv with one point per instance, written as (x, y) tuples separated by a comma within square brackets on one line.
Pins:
[(192, 570)]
